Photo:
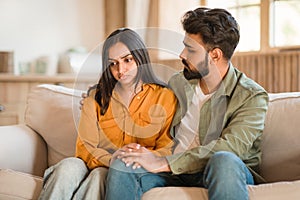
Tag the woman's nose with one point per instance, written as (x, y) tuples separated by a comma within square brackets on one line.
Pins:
[(122, 67)]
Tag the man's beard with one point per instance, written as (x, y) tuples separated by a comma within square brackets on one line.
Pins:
[(200, 73)]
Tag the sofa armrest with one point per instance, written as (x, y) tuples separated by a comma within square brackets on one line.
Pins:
[(22, 149)]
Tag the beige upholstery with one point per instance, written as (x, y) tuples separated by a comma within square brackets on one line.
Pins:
[(50, 133), (22, 149), (281, 139), (57, 109), (17, 185)]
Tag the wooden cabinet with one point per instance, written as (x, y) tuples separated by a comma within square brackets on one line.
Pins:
[(14, 90)]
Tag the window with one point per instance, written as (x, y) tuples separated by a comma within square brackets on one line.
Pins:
[(247, 14), (284, 20), (265, 25), (277, 18)]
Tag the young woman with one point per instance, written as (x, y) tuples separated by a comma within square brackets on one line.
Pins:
[(128, 105)]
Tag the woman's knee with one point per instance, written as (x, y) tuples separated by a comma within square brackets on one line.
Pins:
[(70, 167)]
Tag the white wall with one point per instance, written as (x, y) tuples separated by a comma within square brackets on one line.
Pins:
[(34, 28)]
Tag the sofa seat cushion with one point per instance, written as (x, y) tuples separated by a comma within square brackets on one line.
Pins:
[(274, 191), (281, 138), (53, 111), (18, 185)]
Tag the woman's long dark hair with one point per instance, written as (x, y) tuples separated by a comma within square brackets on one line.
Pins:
[(140, 54)]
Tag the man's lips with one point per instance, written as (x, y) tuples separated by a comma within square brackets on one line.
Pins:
[(184, 62)]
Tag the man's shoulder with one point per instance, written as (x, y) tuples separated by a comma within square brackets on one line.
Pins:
[(248, 84), (178, 76), (247, 88)]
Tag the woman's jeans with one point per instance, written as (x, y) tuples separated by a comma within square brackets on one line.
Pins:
[(71, 179), (226, 177)]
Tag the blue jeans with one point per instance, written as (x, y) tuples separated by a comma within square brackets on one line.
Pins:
[(226, 177)]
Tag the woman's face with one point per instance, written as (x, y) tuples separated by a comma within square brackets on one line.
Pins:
[(121, 63)]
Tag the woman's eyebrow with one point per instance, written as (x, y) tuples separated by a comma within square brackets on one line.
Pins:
[(129, 54)]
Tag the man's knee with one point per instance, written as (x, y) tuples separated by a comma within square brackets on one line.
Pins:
[(225, 159), (225, 165), (120, 166)]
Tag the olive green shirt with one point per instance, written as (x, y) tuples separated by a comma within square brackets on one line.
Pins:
[(231, 120)]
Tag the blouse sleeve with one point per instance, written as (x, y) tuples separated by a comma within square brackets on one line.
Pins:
[(88, 137)]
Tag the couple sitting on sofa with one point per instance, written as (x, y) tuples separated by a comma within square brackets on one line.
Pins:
[(133, 135)]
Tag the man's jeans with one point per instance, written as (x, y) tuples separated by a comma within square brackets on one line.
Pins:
[(225, 176), (71, 179)]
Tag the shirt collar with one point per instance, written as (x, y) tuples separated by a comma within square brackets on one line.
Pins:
[(145, 87), (227, 85)]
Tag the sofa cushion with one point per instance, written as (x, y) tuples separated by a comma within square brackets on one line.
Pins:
[(281, 138), (17, 185), (274, 191), (22, 149), (53, 111)]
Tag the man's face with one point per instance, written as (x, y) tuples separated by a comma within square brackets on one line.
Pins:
[(194, 57)]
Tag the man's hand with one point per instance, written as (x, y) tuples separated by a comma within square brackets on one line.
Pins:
[(84, 95), (140, 156), (126, 148)]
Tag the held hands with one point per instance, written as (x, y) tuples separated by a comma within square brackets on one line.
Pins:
[(137, 156), (117, 154)]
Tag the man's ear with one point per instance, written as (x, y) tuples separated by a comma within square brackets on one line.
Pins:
[(216, 54)]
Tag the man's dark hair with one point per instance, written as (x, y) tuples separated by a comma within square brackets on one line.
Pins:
[(217, 28)]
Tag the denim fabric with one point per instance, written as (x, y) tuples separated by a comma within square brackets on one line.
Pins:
[(71, 179), (226, 177)]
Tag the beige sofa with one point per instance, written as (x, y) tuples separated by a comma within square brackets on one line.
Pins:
[(49, 134)]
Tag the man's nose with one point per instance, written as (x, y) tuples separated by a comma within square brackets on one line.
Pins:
[(182, 55)]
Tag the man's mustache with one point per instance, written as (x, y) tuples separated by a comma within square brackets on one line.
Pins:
[(185, 62)]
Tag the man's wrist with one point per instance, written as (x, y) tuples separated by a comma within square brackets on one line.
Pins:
[(165, 165)]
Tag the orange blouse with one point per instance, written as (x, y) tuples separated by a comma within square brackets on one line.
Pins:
[(147, 122)]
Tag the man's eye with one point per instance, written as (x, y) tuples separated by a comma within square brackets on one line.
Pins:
[(128, 60)]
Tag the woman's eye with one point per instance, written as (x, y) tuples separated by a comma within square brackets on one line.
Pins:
[(112, 64)]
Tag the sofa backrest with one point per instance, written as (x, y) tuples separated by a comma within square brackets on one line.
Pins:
[(281, 138), (53, 111)]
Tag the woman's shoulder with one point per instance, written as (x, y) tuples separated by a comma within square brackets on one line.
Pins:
[(160, 88), (162, 91)]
